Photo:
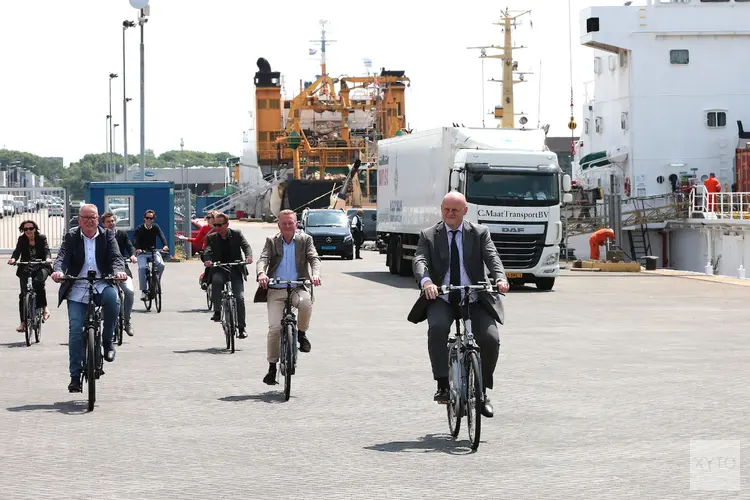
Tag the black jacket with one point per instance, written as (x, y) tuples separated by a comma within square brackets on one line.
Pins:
[(126, 248), (41, 251), (71, 256), (237, 244), (145, 239)]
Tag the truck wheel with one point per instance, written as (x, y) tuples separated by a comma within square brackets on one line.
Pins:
[(391, 258), (545, 284), (403, 265)]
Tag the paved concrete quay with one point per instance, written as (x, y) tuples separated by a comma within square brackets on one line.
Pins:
[(601, 386)]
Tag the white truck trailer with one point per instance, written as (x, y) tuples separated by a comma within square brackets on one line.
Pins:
[(511, 180)]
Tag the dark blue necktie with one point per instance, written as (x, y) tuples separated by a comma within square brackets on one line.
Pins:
[(455, 295)]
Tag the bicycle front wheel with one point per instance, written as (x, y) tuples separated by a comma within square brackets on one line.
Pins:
[(157, 294), (288, 361), (455, 405), (30, 313), (475, 400), (38, 327), (91, 364), (209, 299), (232, 317)]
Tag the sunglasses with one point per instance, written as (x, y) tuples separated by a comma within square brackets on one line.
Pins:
[(149, 218), (219, 224), (29, 229)]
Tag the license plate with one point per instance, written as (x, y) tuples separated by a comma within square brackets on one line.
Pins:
[(514, 275), (328, 247)]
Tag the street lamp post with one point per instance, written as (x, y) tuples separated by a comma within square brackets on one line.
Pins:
[(114, 150), (142, 20), (112, 76), (106, 139), (125, 99)]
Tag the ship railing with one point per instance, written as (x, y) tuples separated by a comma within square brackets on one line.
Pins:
[(722, 205)]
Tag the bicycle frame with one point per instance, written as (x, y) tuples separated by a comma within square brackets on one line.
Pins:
[(228, 299), (32, 313), (288, 319)]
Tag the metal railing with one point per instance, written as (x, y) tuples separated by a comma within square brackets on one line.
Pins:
[(47, 207), (735, 206)]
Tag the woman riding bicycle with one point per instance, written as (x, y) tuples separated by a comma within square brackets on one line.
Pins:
[(199, 245), (32, 245)]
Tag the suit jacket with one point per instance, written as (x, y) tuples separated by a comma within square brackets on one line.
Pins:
[(237, 244), (23, 251), (273, 251), (72, 255), (126, 248), (431, 260)]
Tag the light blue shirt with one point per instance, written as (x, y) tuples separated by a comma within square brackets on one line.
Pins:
[(80, 290), (464, 275), (287, 269)]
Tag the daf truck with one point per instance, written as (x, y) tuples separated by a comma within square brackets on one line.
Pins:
[(512, 183)]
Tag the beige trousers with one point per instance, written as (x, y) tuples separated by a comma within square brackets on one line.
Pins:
[(276, 298)]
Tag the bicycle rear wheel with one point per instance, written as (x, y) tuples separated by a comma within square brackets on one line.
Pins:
[(475, 399), (209, 300), (288, 362), (38, 326), (455, 389), (232, 322), (157, 294), (91, 364)]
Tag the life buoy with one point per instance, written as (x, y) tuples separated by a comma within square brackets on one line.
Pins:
[(627, 186)]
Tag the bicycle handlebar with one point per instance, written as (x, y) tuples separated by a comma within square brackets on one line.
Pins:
[(91, 279), (481, 286), (29, 262), (236, 263), (274, 281)]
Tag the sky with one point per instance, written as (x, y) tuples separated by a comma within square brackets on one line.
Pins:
[(200, 60)]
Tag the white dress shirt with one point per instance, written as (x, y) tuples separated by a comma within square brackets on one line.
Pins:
[(464, 275), (80, 290)]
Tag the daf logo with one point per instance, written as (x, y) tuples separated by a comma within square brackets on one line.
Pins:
[(513, 230), (328, 240)]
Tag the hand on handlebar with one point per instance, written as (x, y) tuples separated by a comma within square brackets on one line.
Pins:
[(316, 280), (208, 263), (133, 259), (138, 251), (502, 286), (263, 280), (430, 290), (57, 276), (11, 262)]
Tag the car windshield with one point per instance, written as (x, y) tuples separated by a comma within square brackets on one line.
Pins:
[(512, 188), (333, 219)]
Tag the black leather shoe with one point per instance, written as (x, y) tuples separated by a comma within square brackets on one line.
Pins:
[(304, 344), (216, 317), (270, 378), (241, 334), (75, 384), (109, 351), (488, 411), (442, 396)]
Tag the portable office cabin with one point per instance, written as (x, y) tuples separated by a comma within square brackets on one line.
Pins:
[(130, 200)]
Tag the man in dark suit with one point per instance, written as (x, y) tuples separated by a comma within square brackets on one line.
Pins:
[(455, 252), (88, 248), (127, 250), (228, 245)]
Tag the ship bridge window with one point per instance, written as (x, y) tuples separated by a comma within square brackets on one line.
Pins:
[(716, 119), (592, 24), (679, 56)]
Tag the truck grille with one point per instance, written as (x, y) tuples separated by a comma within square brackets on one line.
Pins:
[(519, 251)]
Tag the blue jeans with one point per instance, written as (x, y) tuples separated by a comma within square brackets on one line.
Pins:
[(142, 264), (77, 318), (128, 297)]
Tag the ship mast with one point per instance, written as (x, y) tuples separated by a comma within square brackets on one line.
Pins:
[(506, 110), (323, 71)]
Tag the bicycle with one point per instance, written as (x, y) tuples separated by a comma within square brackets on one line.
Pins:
[(120, 323), (289, 349), (465, 385), (153, 283), (229, 304), (33, 316), (93, 363)]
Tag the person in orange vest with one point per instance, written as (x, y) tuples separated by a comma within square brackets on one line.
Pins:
[(712, 186), (597, 239)]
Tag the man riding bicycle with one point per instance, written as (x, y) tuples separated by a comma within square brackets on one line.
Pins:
[(128, 254), (199, 245), (227, 245), (455, 252), (286, 256), (145, 239), (88, 248)]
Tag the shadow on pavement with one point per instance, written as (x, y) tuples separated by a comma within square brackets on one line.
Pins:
[(11, 345), (431, 443), (386, 278), (66, 407), (273, 397), (203, 310), (209, 350)]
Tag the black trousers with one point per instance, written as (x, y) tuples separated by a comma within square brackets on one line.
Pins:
[(441, 318), (38, 277), (218, 278)]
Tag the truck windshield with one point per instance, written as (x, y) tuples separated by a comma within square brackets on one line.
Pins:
[(334, 219), (514, 189)]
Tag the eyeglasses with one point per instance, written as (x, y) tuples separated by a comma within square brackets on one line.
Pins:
[(29, 229), (88, 217), (219, 224)]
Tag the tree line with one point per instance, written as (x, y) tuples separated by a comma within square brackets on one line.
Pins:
[(93, 166)]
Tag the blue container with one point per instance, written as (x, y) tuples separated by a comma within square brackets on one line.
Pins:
[(130, 200)]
